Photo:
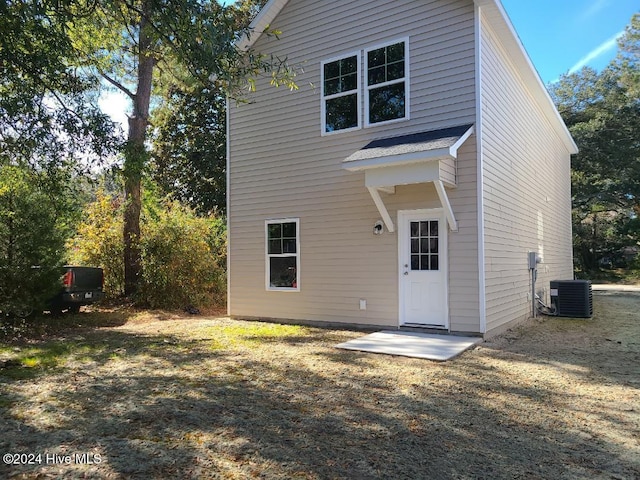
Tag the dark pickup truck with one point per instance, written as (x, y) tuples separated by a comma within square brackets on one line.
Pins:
[(80, 286)]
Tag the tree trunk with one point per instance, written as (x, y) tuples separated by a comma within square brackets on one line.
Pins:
[(135, 157)]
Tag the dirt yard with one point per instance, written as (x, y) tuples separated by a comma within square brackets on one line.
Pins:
[(153, 395)]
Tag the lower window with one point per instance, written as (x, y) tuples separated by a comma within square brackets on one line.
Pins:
[(282, 258)]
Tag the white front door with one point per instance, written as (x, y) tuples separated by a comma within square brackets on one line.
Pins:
[(422, 238)]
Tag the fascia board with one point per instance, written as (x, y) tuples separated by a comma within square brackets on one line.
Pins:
[(395, 160)]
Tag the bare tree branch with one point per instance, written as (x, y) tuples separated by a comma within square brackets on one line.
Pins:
[(118, 85)]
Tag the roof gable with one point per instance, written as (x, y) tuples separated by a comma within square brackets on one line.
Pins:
[(500, 22)]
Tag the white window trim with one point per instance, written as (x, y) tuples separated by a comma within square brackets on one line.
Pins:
[(323, 98), (267, 255), (407, 95)]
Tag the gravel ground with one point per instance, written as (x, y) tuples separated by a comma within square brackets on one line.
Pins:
[(156, 395)]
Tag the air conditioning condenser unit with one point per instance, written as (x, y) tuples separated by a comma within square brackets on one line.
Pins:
[(572, 298)]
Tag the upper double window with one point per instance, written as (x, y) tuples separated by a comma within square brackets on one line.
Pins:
[(385, 81)]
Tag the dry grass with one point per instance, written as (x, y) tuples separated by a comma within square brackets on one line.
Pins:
[(158, 395)]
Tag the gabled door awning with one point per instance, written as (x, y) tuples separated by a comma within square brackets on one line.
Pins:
[(416, 158)]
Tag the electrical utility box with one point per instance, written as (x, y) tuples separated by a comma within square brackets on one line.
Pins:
[(534, 259), (572, 298)]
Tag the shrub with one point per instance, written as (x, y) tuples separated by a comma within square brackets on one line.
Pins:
[(183, 255), (99, 242)]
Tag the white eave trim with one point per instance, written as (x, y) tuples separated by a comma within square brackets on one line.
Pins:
[(463, 138), (257, 27)]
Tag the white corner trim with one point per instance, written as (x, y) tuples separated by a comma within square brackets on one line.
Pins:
[(446, 205), (375, 195), (482, 289), (228, 162)]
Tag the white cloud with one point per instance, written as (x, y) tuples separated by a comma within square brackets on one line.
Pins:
[(597, 52), (594, 8)]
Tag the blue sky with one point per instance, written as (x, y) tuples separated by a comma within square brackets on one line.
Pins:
[(565, 35)]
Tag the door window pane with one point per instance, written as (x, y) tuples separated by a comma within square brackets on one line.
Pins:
[(424, 245), (433, 245), (415, 245)]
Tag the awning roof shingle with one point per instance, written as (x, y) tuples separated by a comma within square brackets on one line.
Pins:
[(412, 143)]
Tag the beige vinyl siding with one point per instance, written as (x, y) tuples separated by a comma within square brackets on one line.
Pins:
[(282, 167), (448, 171), (527, 192)]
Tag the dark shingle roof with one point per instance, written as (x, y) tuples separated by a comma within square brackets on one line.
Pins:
[(415, 142)]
